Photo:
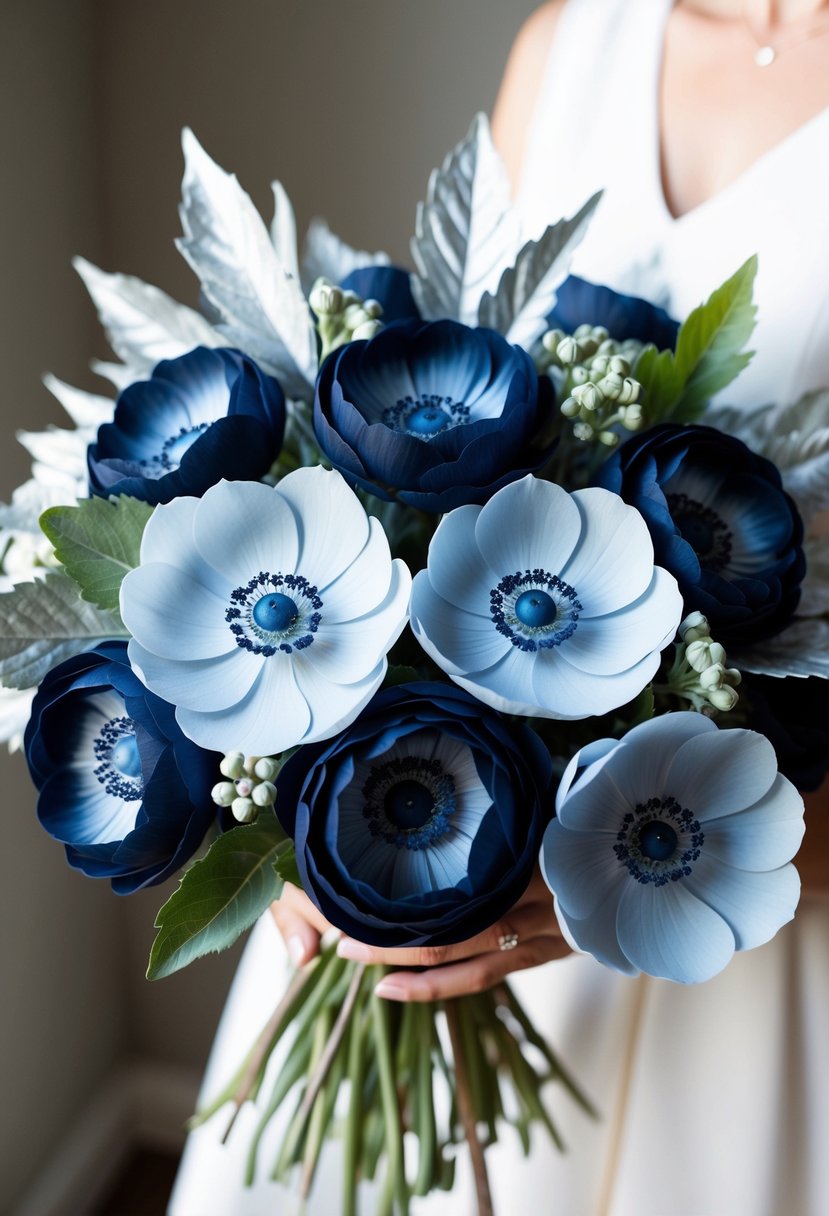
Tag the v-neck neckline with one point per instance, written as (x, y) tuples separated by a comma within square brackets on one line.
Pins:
[(736, 184)]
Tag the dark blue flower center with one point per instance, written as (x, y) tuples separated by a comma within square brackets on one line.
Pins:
[(118, 761), (425, 416), (409, 804), (658, 840), (264, 619), (274, 613), (408, 801), (534, 609), (707, 534)]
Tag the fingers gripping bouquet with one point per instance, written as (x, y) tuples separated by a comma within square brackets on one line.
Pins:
[(395, 586)]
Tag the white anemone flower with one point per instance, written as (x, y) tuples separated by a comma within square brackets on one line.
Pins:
[(264, 614), (671, 848), (546, 603)]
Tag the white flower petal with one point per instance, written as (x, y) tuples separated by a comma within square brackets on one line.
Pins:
[(668, 932), (206, 684), (580, 867), (273, 716), (331, 524), (528, 524), (606, 644), (755, 905), (457, 569), (595, 804), (362, 585), (596, 934), (722, 773), (333, 706), (459, 641), (563, 691), (639, 766), (612, 564), (762, 837), (172, 614), (243, 528), (346, 650)]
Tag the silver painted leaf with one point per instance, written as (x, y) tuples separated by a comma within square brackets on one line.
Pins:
[(802, 649), (43, 623), (467, 232), (327, 256), (143, 324), (283, 230), (120, 375), (85, 409), (526, 291), (228, 246), (814, 598)]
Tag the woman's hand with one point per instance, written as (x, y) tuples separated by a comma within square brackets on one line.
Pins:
[(473, 965), (300, 923)]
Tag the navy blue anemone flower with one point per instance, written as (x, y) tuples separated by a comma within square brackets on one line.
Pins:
[(581, 303), (421, 823), (207, 415), (120, 786), (721, 522), (434, 414), (389, 285)]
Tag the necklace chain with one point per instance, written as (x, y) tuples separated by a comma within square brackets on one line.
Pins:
[(768, 52)]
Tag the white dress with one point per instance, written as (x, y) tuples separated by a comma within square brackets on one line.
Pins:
[(714, 1099)]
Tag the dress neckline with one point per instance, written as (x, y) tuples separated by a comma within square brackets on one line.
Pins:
[(738, 183)]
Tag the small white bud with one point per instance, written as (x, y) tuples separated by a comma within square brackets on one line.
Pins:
[(568, 351), (694, 626), (733, 676), (599, 366), (373, 309), (243, 809), (232, 765), (550, 341), (599, 335), (703, 653), (264, 794), (632, 417), (582, 331), (629, 391), (611, 385), (589, 396), (609, 438), (250, 764), (570, 407), (266, 768), (619, 366), (723, 698), (579, 375), (367, 330), (244, 786), (223, 793), (712, 677), (325, 299), (583, 431)]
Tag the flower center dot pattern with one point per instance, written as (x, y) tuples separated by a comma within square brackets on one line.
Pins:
[(274, 612), (707, 534), (408, 801), (426, 416), (658, 841), (535, 609), (118, 766)]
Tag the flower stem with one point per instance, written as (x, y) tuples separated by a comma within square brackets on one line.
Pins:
[(396, 1177), (467, 1113)]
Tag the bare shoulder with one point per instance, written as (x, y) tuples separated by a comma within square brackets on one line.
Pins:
[(521, 83)]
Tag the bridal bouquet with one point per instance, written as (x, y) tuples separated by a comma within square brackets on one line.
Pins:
[(395, 586)]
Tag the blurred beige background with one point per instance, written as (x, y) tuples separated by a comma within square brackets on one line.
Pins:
[(350, 105)]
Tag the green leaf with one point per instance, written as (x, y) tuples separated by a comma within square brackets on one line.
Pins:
[(98, 541), (709, 353), (221, 895), (710, 346), (45, 622)]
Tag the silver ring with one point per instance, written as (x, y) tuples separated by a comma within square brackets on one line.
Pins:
[(507, 941)]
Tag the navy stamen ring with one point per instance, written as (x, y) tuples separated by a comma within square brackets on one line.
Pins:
[(274, 612), (169, 458), (703, 529), (658, 841), (408, 802), (425, 416), (534, 609), (118, 766)]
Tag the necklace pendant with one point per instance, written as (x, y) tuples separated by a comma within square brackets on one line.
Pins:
[(764, 56)]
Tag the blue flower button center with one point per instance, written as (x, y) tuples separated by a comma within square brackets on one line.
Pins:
[(536, 609), (427, 420), (657, 840), (125, 757), (408, 804), (275, 612)]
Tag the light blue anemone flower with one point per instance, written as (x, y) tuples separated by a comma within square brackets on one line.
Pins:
[(546, 603), (670, 848), (264, 614)]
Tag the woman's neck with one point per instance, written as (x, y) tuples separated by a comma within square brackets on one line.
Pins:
[(764, 14)]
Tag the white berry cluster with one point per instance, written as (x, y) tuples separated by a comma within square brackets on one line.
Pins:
[(249, 785), (594, 381)]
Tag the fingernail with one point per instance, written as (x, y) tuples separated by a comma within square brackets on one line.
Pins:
[(358, 952), (391, 991), (296, 950)]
